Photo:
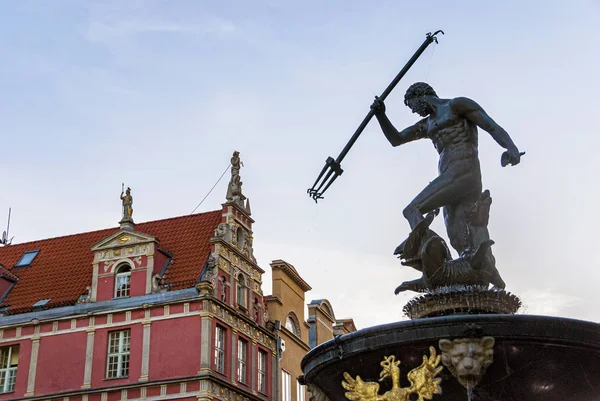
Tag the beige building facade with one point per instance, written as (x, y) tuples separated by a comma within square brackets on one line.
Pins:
[(296, 333)]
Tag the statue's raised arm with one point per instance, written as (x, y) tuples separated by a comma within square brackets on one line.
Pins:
[(395, 137), (474, 112)]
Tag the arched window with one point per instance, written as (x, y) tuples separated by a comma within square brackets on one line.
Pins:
[(291, 323), (122, 280), (239, 237), (241, 291), (327, 309)]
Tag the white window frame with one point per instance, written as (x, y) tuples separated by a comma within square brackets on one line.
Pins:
[(301, 396), (126, 275), (286, 386), (117, 362), (8, 372), (242, 357), (262, 372), (220, 349)]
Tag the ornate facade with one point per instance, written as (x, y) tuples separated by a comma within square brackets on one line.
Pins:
[(167, 309), (295, 334)]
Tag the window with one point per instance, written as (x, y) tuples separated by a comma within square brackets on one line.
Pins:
[(241, 291), (27, 258), (118, 354), (286, 386), (9, 359), (239, 238), (301, 392), (242, 360), (220, 350), (41, 303), (122, 281), (262, 371), (291, 323)]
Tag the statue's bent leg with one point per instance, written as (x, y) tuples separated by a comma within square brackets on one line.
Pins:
[(446, 189)]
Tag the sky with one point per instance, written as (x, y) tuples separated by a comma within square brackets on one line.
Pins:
[(158, 94)]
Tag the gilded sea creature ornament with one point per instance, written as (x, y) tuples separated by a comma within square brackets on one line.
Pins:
[(423, 382)]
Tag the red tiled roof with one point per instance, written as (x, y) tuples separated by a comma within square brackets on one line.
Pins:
[(4, 272), (63, 269)]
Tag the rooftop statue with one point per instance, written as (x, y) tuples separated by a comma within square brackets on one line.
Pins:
[(127, 200), (234, 189), (451, 124)]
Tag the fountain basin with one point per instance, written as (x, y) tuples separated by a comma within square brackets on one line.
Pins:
[(535, 357)]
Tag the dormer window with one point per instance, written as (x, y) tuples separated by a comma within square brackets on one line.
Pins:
[(27, 258), (41, 303), (241, 291), (122, 280)]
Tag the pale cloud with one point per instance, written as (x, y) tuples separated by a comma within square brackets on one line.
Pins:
[(111, 24), (550, 302), (103, 31)]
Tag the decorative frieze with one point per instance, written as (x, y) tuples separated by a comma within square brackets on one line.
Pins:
[(230, 260), (131, 251), (222, 392), (241, 325)]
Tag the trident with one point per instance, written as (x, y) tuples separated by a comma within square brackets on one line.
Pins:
[(333, 167)]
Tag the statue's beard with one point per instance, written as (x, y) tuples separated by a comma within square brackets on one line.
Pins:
[(421, 108)]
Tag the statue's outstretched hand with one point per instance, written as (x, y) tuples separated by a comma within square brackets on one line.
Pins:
[(378, 106), (511, 156)]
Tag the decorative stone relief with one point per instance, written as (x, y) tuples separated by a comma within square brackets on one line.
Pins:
[(314, 394), (468, 358), (241, 325), (86, 297), (133, 251), (223, 232), (158, 284), (108, 265), (210, 271)]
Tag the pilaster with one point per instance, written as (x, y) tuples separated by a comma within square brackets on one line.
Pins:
[(145, 352), (206, 343), (89, 358), (253, 365), (35, 348), (233, 349)]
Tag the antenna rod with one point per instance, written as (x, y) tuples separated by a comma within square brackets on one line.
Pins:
[(8, 225)]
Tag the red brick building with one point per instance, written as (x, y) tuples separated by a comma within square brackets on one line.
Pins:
[(168, 309)]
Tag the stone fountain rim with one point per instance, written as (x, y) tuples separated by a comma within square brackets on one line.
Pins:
[(517, 328)]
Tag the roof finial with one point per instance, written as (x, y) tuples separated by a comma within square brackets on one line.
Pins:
[(234, 190), (127, 220)]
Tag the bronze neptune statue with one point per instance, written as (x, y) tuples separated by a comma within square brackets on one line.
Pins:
[(451, 124)]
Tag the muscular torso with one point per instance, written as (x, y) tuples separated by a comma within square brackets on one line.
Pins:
[(454, 137)]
